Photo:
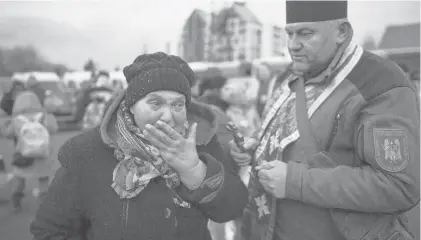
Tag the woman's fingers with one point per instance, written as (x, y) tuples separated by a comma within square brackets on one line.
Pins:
[(168, 130), (154, 140), (159, 135)]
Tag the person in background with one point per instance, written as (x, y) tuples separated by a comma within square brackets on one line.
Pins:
[(9, 98), (274, 83), (264, 74), (338, 154), (210, 92), (26, 109), (154, 169), (97, 86), (241, 95), (33, 85), (7, 102)]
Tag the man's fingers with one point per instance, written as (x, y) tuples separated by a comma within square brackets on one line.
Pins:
[(233, 146), (266, 165), (263, 174), (250, 143), (243, 157), (265, 185)]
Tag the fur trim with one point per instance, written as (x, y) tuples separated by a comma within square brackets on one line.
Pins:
[(202, 114)]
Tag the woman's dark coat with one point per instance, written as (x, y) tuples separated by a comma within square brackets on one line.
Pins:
[(81, 204)]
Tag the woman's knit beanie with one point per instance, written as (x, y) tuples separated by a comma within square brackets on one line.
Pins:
[(157, 72)]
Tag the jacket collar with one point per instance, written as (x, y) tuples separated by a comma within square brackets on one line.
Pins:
[(200, 113)]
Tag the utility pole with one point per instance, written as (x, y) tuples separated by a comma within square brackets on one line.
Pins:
[(211, 36), (145, 49)]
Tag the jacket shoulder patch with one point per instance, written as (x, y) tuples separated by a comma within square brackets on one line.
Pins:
[(391, 148)]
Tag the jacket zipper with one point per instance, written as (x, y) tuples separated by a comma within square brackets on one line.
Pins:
[(334, 131), (125, 217)]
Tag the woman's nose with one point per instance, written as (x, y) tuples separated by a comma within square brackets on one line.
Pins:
[(166, 115)]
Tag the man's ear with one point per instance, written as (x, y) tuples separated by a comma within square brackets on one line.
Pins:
[(344, 31)]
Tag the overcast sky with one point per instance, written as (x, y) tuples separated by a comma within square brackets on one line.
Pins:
[(160, 21)]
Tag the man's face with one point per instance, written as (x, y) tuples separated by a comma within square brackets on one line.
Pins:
[(311, 45), (167, 106)]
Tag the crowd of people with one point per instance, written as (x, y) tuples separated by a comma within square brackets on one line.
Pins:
[(329, 149)]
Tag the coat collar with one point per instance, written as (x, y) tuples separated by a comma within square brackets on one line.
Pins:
[(200, 113)]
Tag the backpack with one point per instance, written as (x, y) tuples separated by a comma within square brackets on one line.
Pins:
[(33, 138)]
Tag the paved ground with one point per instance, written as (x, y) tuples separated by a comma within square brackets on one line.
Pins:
[(16, 226)]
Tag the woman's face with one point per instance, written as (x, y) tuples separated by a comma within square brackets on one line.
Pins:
[(167, 106)]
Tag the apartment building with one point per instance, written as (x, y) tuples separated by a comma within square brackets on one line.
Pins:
[(195, 37), (232, 34), (278, 41), (236, 34)]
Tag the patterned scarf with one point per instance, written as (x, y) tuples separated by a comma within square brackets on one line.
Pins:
[(139, 161)]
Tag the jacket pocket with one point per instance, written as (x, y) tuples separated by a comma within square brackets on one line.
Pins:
[(392, 228), (334, 131), (370, 226)]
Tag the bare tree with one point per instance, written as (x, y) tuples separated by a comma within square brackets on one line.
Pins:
[(90, 66)]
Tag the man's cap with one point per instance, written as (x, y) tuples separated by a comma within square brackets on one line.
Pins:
[(315, 11)]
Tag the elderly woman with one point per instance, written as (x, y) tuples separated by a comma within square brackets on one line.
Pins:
[(152, 170)]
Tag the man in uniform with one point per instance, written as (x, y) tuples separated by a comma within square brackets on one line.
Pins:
[(337, 156)]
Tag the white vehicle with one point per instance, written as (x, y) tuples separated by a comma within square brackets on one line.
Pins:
[(56, 100), (73, 80), (117, 80), (39, 76)]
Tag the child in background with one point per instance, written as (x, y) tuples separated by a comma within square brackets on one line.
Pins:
[(32, 155)]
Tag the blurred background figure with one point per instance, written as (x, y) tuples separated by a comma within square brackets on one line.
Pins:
[(241, 95), (9, 97), (92, 101), (264, 75), (210, 92), (28, 162)]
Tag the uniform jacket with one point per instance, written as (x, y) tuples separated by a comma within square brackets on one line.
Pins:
[(366, 172), (81, 203)]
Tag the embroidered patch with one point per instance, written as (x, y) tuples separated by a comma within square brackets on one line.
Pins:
[(262, 207), (391, 149), (181, 203)]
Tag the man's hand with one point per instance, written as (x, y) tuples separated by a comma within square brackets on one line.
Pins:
[(242, 158), (272, 175)]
